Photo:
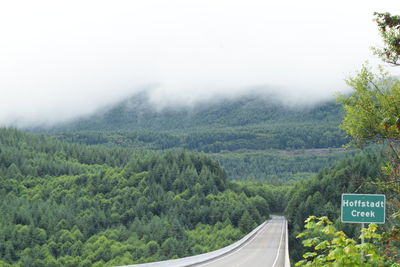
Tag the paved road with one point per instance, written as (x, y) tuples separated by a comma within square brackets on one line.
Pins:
[(267, 248)]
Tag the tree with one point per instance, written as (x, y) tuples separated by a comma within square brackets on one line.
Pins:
[(373, 115), (377, 97), (389, 28), (373, 110), (334, 248), (169, 247), (246, 223)]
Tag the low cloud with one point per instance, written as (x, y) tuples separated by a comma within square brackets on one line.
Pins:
[(64, 60)]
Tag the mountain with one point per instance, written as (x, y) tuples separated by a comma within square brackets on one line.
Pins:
[(252, 137), (138, 113)]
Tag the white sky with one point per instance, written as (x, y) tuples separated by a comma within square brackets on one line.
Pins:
[(63, 59)]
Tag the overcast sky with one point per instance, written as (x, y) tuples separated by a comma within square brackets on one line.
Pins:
[(63, 59)]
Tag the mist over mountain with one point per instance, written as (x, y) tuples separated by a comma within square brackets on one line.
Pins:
[(251, 136), (152, 102), (139, 113), (57, 69)]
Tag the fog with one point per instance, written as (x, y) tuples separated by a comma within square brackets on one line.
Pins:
[(60, 60)]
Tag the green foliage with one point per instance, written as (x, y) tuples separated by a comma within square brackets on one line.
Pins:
[(73, 205), (373, 110), (246, 223), (249, 137), (249, 123), (373, 115), (331, 247), (321, 195), (205, 238), (278, 167), (389, 28), (137, 114)]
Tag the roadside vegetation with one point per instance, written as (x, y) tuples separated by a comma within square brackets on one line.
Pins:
[(372, 116)]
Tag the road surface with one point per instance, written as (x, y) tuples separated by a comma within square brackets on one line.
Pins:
[(266, 248)]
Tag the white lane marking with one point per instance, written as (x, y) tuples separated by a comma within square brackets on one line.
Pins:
[(280, 243), (229, 254)]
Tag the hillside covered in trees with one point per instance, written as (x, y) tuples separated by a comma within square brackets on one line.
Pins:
[(250, 137), (73, 205), (321, 195), (251, 122)]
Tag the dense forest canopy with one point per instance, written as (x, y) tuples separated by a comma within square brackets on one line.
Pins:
[(72, 205), (109, 190), (138, 113), (259, 130), (247, 123)]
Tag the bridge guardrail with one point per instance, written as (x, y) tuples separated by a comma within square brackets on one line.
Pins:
[(287, 258), (202, 258)]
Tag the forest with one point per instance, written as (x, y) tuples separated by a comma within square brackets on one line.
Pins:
[(248, 137), (73, 205), (249, 123), (130, 196)]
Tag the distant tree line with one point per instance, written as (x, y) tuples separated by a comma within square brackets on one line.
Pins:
[(209, 140)]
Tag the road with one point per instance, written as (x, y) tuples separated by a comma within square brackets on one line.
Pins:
[(266, 248)]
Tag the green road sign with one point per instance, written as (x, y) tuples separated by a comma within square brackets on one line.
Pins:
[(363, 208)]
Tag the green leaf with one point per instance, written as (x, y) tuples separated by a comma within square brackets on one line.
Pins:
[(302, 262), (309, 255), (301, 235), (311, 241), (322, 245)]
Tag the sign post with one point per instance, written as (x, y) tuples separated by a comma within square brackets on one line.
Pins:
[(363, 208)]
